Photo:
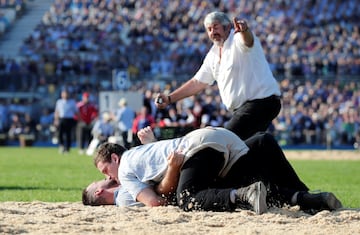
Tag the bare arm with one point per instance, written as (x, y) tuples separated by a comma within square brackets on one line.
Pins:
[(150, 198), (241, 27), (189, 88), (170, 181)]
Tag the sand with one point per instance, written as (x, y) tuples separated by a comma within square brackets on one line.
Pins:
[(74, 218)]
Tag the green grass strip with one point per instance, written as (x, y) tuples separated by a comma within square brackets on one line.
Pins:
[(42, 174)]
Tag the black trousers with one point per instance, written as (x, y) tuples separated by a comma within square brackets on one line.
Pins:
[(83, 134), (200, 188), (125, 135), (254, 116), (65, 132)]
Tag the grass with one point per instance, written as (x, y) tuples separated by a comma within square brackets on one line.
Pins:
[(41, 174), (28, 174), (341, 177)]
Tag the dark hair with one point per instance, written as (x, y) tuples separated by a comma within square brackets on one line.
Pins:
[(89, 198), (86, 200), (105, 150)]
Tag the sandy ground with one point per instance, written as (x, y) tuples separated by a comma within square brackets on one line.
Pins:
[(74, 218), (324, 155)]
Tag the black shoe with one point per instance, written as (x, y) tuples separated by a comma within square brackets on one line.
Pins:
[(313, 203), (253, 195)]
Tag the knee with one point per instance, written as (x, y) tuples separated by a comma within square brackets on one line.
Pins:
[(268, 136), (265, 137)]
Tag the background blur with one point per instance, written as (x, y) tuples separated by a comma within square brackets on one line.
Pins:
[(144, 46)]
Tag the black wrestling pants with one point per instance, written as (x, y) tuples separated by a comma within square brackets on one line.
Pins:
[(254, 116), (200, 188)]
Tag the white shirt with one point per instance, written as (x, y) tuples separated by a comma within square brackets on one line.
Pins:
[(243, 73), (66, 108), (123, 198), (145, 165)]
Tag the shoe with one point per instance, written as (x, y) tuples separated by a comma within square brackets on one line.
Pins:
[(255, 195), (313, 203), (61, 149)]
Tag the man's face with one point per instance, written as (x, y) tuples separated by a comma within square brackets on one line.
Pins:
[(217, 33), (102, 184), (85, 99), (110, 169)]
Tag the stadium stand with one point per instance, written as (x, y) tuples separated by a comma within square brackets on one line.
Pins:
[(10, 11)]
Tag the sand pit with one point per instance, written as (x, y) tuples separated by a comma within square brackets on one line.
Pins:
[(74, 218)]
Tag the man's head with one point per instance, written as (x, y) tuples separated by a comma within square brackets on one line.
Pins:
[(107, 159), (100, 193), (122, 102), (106, 117), (85, 97), (64, 94), (218, 26)]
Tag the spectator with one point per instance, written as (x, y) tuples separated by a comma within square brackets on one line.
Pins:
[(101, 131), (88, 112), (142, 120), (4, 122), (16, 127), (45, 128), (65, 111), (125, 117), (172, 119), (29, 125)]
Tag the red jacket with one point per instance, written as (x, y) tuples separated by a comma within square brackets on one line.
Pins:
[(141, 122), (87, 112)]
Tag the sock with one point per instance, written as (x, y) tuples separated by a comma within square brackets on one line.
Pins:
[(232, 195), (294, 198)]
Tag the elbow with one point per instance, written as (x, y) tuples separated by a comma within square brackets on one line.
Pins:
[(149, 198), (159, 189), (155, 202)]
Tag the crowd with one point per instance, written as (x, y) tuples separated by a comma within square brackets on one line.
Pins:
[(323, 112), (86, 39), (80, 42), (10, 10), (320, 113)]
